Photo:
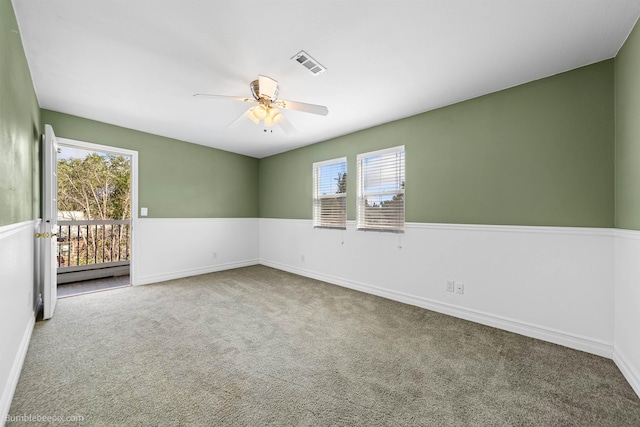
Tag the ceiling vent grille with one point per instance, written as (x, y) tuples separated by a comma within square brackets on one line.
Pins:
[(310, 64)]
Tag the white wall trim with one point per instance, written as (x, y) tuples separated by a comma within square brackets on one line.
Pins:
[(630, 374), (627, 234), (21, 315), (16, 369), (582, 231), (10, 229), (574, 341), (194, 272), (204, 220)]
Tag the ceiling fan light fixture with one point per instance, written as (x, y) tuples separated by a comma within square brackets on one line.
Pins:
[(260, 111), (274, 116), (251, 114)]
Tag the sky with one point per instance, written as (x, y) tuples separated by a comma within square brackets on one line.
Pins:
[(375, 180), (329, 176), (75, 153), (72, 153)]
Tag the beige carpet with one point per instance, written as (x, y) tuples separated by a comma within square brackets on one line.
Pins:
[(256, 346)]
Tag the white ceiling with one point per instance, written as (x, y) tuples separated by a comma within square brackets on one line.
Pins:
[(137, 63)]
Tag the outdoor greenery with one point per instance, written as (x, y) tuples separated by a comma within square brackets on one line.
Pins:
[(97, 187), (383, 212), (332, 211), (342, 183)]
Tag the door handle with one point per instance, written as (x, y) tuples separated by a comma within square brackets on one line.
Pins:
[(46, 235)]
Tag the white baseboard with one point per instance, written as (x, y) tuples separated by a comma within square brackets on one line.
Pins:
[(632, 377), (627, 306), (193, 272), (534, 331), (16, 369)]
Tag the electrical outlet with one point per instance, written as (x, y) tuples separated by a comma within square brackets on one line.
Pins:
[(459, 288), (302, 258), (215, 255), (450, 285)]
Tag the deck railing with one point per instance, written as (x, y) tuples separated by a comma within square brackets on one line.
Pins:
[(90, 242)]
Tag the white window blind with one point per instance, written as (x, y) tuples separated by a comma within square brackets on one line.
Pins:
[(381, 190), (330, 194)]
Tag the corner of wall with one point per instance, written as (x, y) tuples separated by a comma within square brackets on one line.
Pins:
[(626, 279)]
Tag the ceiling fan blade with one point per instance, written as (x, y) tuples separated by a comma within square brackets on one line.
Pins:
[(301, 106), (287, 127), (229, 98), (268, 87), (236, 120)]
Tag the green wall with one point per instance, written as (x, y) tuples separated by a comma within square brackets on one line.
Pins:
[(176, 179), (537, 154), (20, 127), (627, 82)]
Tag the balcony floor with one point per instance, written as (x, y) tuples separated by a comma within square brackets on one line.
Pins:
[(95, 285)]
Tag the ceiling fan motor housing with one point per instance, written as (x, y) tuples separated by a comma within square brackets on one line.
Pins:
[(269, 90)]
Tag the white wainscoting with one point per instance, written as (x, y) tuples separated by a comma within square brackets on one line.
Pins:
[(17, 317), (551, 283), (170, 248), (627, 306)]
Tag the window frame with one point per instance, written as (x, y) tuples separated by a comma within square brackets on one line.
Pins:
[(318, 220), (361, 223)]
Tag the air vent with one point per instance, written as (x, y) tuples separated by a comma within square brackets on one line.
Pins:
[(311, 64)]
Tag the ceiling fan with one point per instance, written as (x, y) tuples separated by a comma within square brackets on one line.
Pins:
[(265, 94)]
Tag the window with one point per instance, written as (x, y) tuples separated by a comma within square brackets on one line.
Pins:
[(381, 190), (330, 194)]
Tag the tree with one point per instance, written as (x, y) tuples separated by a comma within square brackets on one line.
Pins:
[(97, 185), (342, 183)]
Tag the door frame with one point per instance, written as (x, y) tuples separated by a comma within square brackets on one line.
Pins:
[(72, 143)]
